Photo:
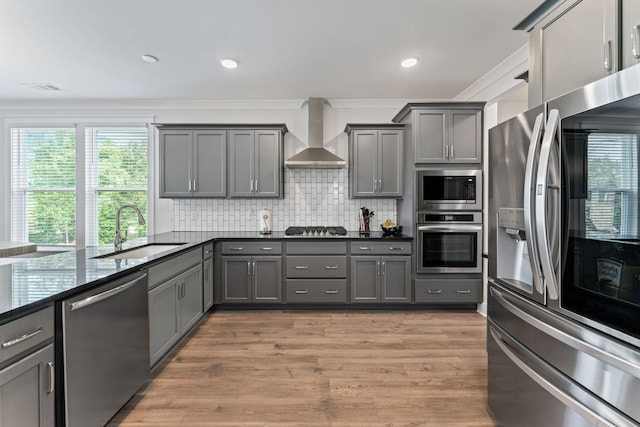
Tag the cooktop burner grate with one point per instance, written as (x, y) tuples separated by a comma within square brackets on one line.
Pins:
[(315, 231)]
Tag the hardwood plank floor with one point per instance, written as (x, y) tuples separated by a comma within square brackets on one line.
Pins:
[(317, 368)]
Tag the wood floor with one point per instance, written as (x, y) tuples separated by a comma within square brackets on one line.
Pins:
[(314, 368)]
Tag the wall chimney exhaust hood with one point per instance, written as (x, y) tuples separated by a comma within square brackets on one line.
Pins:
[(315, 156)]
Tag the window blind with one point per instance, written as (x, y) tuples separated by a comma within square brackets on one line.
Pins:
[(116, 166), (43, 185), (612, 184)]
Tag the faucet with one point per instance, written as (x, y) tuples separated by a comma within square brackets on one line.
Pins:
[(119, 240)]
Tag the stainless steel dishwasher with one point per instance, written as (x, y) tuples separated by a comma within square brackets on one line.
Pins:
[(106, 349)]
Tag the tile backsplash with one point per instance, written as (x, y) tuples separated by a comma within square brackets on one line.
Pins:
[(311, 197)]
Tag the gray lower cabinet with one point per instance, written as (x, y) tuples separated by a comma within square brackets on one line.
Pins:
[(380, 279), (255, 162), (376, 160), (175, 302), (247, 279), (27, 390), (193, 163), (451, 291), (27, 384), (207, 277)]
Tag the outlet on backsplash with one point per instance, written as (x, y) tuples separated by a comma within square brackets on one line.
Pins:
[(311, 197)]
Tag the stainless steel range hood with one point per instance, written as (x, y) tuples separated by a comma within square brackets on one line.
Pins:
[(315, 156)]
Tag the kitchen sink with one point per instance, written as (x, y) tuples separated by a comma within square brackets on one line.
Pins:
[(141, 251)]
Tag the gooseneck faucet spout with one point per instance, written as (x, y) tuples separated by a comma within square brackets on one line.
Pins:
[(119, 240)]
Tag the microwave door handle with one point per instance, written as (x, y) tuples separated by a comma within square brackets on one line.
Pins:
[(541, 191), (529, 203)]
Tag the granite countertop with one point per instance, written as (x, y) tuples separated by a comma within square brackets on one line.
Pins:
[(32, 283)]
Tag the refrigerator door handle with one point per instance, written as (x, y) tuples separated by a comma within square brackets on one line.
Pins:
[(547, 377), (529, 204), (541, 191), (580, 339)]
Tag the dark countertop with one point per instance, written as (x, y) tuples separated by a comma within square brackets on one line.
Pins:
[(33, 283)]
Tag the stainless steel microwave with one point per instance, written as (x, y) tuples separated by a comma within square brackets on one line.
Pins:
[(449, 190)]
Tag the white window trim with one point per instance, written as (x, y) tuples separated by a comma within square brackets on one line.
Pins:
[(79, 123)]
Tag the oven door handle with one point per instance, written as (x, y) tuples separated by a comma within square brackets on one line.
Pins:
[(450, 228)]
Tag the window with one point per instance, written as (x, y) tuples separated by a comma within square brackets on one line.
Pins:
[(612, 185), (59, 201), (43, 186)]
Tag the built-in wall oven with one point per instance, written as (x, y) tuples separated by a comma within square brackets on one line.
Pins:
[(449, 242), (449, 189)]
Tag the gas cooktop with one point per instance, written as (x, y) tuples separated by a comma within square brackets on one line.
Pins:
[(315, 231)]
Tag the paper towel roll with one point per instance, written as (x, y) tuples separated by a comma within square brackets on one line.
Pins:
[(264, 221)]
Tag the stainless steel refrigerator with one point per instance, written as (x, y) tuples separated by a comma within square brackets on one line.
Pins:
[(563, 330)]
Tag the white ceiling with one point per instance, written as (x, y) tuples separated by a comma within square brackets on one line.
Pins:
[(287, 49)]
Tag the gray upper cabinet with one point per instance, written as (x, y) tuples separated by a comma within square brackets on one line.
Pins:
[(376, 160), (573, 45), (192, 163), (443, 133), (630, 33), (255, 162)]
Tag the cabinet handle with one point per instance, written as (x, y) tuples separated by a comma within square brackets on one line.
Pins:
[(434, 291), (392, 248), (207, 252), (330, 292), (253, 269), (266, 249), (378, 267), (248, 269), (189, 186), (251, 186), (331, 267), (24, 337), (607, 55), (379, 185), (451, 156), (52, 377), (256, 186), (365, 248), (375, 186), (635, 36), (236, 249), (194, 185), (302, 292), (384, 268), (302, 267), (464, 291), (446, 151)]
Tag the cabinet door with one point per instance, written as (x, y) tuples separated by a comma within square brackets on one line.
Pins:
[(164, 322), (390, 162), (630, 32), (207, 284), (365, 279), (26, 391), (210, 163), (236, 283), (190, 297), (583, 37), (267, 279), (396, 279), (430, 136), (465, 136), (241, 163), (268, 164), (175, 163), (364, 163)]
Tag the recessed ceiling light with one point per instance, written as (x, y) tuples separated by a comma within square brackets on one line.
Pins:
[(229, 63), (409, 62), (149, 58)]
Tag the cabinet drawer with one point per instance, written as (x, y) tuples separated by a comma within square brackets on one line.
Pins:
[(380, 248), (319, 267), (449, 290), (253, 248), (207, 251), (26, 332), (310, 248), (316, 290), (173, 266)]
